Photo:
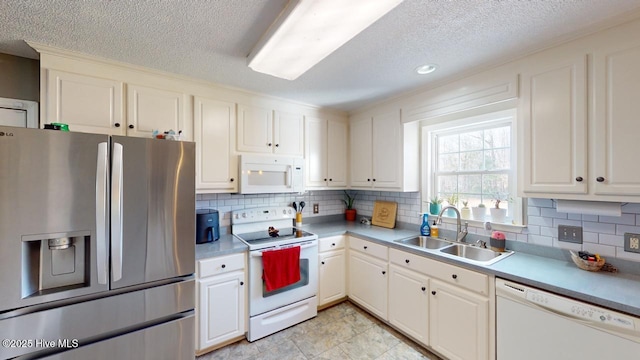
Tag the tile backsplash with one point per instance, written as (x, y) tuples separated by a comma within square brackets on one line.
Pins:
[(329, 201), (601, 234)]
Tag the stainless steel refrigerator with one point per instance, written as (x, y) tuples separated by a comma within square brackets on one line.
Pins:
[(96, 246)]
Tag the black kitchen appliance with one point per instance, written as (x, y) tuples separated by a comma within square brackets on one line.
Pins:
[(207, 225)]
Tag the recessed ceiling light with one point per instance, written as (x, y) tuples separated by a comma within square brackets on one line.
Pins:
[(426, 69)]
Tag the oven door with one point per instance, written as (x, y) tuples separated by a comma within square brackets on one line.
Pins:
[(261, 300)]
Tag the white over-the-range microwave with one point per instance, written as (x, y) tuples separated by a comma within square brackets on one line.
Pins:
[(260, 174)]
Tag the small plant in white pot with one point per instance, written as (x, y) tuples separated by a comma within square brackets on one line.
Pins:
[(479, 212), (465, 212), (498, 215)]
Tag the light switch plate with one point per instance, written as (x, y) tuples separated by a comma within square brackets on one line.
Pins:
[(572, 234), (316, 208), (632, 242)]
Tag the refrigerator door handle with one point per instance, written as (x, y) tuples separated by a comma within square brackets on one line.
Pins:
[(116, 213), (102, 235)]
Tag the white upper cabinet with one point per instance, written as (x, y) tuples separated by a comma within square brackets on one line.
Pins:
[(262, 130), (384, 152), (325, 153), (288, 134), (150, 109), (214, 134), (86, 103), (616, 112), (255, 129), (580, 111), (554, 126)]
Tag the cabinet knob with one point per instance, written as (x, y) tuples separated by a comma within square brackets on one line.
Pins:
[(330, 179), (600, 179), (322, 263), (241, 283), (368, 179), (277, 145), (579, 179), (269, 144), (116, 124), (406, 260), (334, 244), (131, 126), (365, 248), (374, 179), (424, 288), (454, 276), (231, 179), (433, 293), (384, 272), (325, 179), (224, 266)]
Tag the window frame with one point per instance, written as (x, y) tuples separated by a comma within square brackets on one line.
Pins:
[(517, 216)]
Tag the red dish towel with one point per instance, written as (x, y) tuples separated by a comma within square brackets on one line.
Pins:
[(281, 267)]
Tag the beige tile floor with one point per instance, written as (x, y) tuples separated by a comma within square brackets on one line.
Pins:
[(341, 332)]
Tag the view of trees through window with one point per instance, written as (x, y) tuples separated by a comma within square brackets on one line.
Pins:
[(474, 166)]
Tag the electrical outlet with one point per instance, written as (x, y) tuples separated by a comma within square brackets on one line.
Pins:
[(632, 242), (572, 234), (316, 208)]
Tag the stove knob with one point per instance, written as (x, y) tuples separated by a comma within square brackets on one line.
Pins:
[(244, 215), (285, 211)]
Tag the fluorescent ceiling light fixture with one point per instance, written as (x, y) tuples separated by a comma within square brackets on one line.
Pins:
[(307, 31), (426, 69)]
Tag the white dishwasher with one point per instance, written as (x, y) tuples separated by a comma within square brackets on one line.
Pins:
[(534, 324)]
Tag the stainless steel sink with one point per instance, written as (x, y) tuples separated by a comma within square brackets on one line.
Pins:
[(425, 242), (471, 252)]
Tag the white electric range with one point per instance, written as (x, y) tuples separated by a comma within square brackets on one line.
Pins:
[(272, 311)]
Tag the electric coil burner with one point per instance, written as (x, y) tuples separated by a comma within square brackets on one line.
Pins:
[(266, 229)]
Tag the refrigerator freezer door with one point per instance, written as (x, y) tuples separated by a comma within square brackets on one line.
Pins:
[(156, 208), (48, 232)]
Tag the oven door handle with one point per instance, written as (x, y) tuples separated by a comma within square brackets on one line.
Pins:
[(259, 253)]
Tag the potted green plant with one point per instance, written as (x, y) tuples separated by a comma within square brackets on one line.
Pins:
[(465, 212), (435, 204), (349, 213), (453, 201), (498, 214), (479, 212)]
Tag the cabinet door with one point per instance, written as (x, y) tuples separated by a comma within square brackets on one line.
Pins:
[(387, 150), (220, 312), (151, 109), (368, 282), (255, 129), (332, 277), (288, 134), (86, 103), (409, 302), (553, 134), (216, 162), (459, 322), (360, 132), (337, 134), (316, 152), (617, 85)]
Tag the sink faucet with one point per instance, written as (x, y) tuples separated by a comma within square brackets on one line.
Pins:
[(461, 233)]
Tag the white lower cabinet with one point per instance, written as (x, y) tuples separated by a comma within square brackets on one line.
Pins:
[(368, 276), (332, 266), (459, 322), (409, 302), (220, 301), (442, 306)]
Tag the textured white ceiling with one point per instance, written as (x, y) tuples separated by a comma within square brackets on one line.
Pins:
[(210, 39)]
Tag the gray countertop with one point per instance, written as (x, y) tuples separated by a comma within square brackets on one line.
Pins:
[(619, 292)]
